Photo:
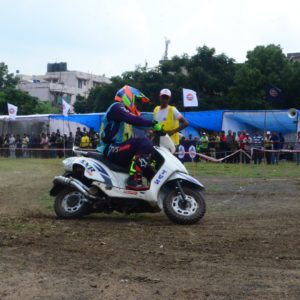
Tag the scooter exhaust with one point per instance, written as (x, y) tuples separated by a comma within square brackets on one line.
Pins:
[(75, 183)]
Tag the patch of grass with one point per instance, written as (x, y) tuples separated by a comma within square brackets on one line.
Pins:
[(282, 170)]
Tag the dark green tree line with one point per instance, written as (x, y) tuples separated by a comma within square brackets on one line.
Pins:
[(219, 81)]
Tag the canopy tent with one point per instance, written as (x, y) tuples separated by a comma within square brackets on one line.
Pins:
[(217, 120), (263, 120), (30, 124)]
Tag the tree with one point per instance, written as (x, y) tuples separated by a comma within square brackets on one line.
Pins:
[(80, 105), (26, 103), (7, 80), (265, 66)]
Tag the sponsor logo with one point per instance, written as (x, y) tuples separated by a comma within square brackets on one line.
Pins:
[(130, 192), (273, 93), (89, 169), (189, 97), (160, 177)]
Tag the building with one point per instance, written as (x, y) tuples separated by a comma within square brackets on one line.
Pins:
[(294, 56), (59, 83)]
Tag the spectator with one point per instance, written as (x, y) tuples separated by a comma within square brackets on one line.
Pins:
[(1, 144), (70, 144), (25, 143), (6, 146), (52, 145), (44, 145), (230, 139), (268, 147), (223, 144), (12, 146), (204, 143), (258, 147), (297, 147), (242, 137), (59, 142), (281, 141), (276, 147), (85, 141), (217, 145), (18, 146), (78, 136), (247, 147)]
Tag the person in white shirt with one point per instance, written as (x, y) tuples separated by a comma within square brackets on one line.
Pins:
[(169, 116)]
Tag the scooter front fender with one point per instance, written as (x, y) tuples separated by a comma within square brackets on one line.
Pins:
[(184, 178)]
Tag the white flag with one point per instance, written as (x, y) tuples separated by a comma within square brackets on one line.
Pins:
[(189, 98), (65, 107), (12, 111)]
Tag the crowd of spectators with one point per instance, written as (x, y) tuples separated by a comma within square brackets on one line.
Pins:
[(220, 145), (216, 145), (47, 145)]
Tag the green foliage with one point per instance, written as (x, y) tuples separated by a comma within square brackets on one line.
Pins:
[(219, 81), (6, 79), (26, 103), (45, 107)]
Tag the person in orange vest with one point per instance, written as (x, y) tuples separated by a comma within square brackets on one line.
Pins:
[(169, 116)]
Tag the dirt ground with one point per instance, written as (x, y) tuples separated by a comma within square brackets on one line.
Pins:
[(246, 247)]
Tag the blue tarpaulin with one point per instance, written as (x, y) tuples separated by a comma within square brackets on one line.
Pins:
[(215, 120)]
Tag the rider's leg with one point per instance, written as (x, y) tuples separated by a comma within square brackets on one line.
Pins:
[(135, 153)]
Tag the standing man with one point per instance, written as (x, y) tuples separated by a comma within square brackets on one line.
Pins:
[(258, 141), (169, 117), (297, 147), (268, 146)]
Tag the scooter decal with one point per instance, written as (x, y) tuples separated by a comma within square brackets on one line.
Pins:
[(160, 176), (104, 174), (101, 170)]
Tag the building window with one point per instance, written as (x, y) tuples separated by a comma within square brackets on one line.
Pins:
[(80, 83)]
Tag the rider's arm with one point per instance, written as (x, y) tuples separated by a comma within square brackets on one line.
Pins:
[(120, 114)]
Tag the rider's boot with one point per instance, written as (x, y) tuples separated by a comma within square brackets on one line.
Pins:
[(135, 181)]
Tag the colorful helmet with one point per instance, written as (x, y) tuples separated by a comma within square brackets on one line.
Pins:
[(128, 95)]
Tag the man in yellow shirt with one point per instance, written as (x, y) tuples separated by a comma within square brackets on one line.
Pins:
[(85, 141), (169, 117)]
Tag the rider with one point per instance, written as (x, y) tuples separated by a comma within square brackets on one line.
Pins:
[(116, 141)]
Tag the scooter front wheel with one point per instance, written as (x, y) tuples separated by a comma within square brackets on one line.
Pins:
[(184, 211)]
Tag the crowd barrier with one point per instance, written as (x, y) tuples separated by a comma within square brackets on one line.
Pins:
[(191, 155)]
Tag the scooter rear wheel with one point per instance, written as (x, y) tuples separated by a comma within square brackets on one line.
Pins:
[(70, 204), (184, 211)]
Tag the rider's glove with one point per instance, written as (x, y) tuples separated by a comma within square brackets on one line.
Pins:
[(156, 126)]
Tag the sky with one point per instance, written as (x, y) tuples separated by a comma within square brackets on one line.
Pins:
[(114, 36)]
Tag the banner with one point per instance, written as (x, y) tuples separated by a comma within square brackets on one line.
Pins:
[(189, 98), (274, 94), (12, 111), (186, 151), (65, 107)]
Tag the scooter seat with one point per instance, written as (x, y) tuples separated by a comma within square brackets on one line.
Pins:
[(100, 157)]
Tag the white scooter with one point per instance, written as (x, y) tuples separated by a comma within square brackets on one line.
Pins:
[(92, 183)]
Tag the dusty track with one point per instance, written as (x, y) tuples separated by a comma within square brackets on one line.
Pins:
[(247, 247)]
